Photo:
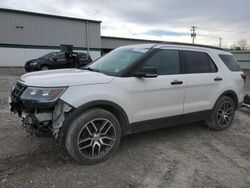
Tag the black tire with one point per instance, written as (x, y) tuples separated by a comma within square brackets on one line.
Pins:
[(44, 67), (79, 133), (221, 119)]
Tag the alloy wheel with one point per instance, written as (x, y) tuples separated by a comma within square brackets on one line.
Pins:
[(44, 68), (225, 113), (96, 138)]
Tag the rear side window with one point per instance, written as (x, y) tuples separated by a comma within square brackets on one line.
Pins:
[(198, 62), (230, 62)]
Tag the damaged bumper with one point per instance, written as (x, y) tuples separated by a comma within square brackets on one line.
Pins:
[(38, 118)]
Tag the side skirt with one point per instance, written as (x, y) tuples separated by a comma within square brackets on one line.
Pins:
[(168, 121)]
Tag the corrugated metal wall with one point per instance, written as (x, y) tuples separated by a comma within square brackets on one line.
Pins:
[(47, 31), (243, 57)]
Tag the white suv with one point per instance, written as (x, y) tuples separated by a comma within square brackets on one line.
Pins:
[(131, 89)]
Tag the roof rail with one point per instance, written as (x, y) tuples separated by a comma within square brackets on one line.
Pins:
[(195, 45)]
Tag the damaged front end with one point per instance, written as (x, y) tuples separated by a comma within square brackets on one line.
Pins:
[(40, 108)]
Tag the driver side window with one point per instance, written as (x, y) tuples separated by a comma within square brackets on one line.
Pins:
[(165, 61), (60, 56)]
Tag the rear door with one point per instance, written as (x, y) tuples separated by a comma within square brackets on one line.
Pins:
[(204, 81)]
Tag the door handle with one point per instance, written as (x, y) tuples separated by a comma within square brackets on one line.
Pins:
[(176, 82), (217, 79)]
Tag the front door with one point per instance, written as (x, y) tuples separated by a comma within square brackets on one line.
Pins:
[(162, 96), (59, 61)]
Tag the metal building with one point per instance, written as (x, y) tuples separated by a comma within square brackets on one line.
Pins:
[(27, 35)]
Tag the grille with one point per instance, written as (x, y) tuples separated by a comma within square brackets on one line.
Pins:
[(17, 92)]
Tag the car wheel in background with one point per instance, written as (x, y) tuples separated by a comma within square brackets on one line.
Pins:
[(44, 67)]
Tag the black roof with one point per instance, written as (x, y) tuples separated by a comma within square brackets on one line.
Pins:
[(46, 15)]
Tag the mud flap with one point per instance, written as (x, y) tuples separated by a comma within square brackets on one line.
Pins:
[(246, 102)]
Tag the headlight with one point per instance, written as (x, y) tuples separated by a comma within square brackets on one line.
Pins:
[(32, 64), (43, 95)]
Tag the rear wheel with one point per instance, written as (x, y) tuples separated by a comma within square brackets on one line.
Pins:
[(93, 136), (223, 114)]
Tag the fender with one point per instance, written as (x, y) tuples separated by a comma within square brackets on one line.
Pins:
[(112, 107), (232, 94)]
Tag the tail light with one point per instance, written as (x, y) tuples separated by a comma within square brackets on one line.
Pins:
[(244, 77)]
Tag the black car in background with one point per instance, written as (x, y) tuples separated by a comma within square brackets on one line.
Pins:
[(58, 60)]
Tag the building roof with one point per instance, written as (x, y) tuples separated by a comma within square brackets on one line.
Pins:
[(132, 39), (46, 15)]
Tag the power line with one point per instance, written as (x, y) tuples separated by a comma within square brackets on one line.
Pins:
[(229, 31), (219, 30)]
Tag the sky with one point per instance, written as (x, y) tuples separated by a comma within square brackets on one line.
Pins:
[(168, 20)]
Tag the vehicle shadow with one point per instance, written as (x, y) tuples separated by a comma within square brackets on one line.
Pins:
[(174, 132)]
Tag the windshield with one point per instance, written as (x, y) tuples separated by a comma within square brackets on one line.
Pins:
[(117, 60), (49, 55)]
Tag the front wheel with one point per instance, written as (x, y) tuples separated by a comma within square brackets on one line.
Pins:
[(93, 136), (44, 68), (223, 114)]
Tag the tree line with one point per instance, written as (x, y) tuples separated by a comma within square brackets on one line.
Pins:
[(240, 45)]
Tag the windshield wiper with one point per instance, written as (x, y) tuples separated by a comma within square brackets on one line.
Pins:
[(90, 69)]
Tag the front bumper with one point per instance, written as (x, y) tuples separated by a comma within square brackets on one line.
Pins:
[(30, 68), (41, 119)]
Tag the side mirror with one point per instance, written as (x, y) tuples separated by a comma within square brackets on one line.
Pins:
[(147, 72)]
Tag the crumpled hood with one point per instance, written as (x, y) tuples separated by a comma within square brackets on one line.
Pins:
[(64, 77)]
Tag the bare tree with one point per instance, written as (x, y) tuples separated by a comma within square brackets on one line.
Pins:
[(242, 44), (235, 46)]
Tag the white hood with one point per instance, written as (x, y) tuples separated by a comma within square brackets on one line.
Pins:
[(64, 77)]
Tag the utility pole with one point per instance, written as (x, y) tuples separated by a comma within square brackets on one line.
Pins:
[(220, 42), (193, 34)]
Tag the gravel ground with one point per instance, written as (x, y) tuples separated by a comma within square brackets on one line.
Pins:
[(189, 155)]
